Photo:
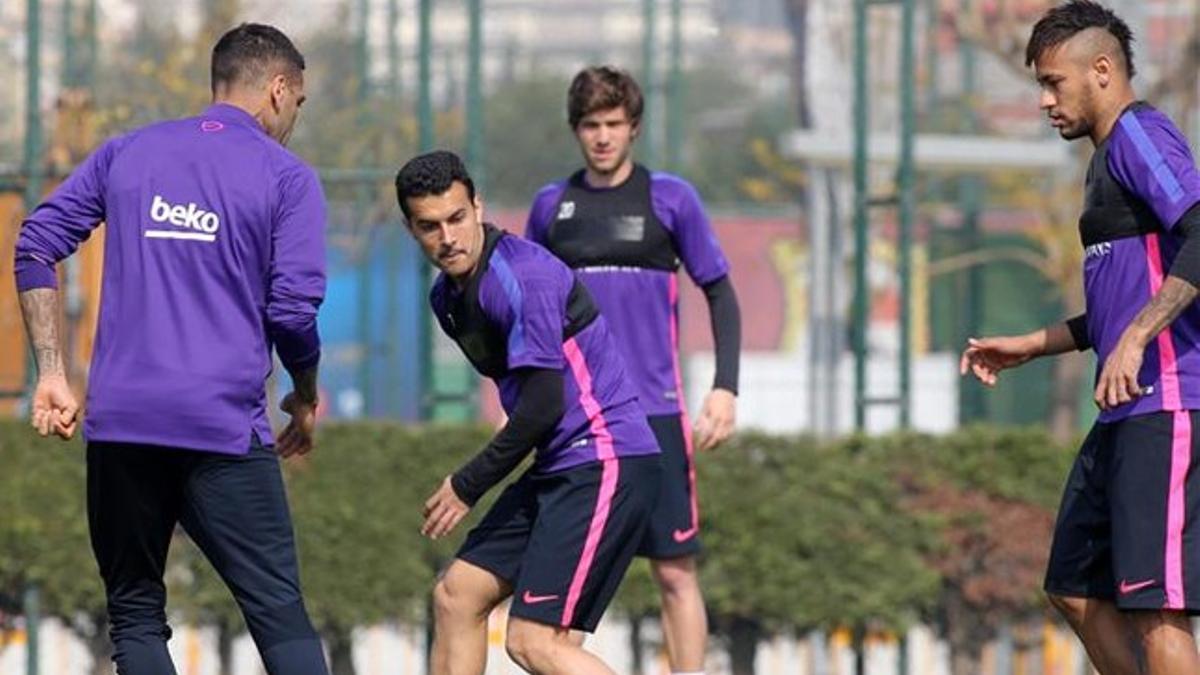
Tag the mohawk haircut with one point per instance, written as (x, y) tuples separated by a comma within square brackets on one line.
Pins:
[(431, 174), (1067, 20)]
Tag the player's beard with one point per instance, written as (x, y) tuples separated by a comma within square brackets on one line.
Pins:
[(1082, 125)]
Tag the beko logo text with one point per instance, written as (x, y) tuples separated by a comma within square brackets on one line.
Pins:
[(199, 224)]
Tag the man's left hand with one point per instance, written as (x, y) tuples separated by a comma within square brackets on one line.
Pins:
[(716, 420), (1118, 383)]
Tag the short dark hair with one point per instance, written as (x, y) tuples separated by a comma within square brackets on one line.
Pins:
[(1065, 21), (247, 53), (431, 174), (600, 88)]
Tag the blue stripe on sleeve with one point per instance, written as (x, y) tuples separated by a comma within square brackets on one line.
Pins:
[(1150, 155), (512, 289)]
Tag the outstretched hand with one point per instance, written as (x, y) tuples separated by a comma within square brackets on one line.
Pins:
[(986, 357)]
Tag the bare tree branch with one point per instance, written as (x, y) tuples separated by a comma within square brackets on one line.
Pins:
[(962, 261)]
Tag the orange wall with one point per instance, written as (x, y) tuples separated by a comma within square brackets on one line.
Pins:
[(12, 330)]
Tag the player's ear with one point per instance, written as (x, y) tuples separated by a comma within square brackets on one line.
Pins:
[(278, 89), (1102, 66), (478, 203)]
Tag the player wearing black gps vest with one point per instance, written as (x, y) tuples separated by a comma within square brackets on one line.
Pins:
[(625, 230)]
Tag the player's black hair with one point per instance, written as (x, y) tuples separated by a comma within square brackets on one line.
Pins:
[(1065, 21), (431, 174), (250, 52)]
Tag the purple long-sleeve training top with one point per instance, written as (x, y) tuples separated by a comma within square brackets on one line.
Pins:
[(214, 251)]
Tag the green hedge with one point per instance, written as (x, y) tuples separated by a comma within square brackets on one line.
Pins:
[(798, 533)]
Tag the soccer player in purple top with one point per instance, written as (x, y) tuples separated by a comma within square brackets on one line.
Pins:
[(625, 230), (1125, 563), (214, 253), (560, 538)]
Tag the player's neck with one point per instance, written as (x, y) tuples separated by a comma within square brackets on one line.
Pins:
[(1112, 112), (247, 104), (598, 179)]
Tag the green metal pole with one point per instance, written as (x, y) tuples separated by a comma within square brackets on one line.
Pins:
[(32, 160), (426, 140), (393, 49), (364, 304), (907, 186), (362, 94), (33, 619), (362, 63), (932, 25), (861, 252), (475, 150), (33, 113), (675, 91), (90, 53), (649, 151), (970, 198), (424, 93), (69, 60)]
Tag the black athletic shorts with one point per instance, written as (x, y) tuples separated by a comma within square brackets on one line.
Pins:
[(1127, 528), (563, 540), (674, 529)]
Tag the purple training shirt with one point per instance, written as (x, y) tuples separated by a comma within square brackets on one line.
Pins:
[(626, 243), (523, 294), (1141, 181), (214, 250)]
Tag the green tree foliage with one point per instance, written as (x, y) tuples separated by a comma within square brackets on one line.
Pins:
[(44, 535), (357, 503), (528, 142), (800, 535), (991, 496), (864, 533)]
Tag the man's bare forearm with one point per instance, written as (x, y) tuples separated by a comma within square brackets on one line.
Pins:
[(39, 307), (304, 384), (1174, 297), (1055, 339)]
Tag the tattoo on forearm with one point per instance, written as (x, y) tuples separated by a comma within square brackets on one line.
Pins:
[(39, 306), (1174, 297), (304, 383)]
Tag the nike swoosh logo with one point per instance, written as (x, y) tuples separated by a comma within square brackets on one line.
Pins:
[(531, 599), (1127, 588), (683, 535)]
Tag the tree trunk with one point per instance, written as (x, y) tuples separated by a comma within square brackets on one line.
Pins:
[(859, 645), (341, 651), (744, 635), (964, 633), (963, 662), (1069, 372), (637, 651), (797, 18), (93, 631), (225, 636)]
